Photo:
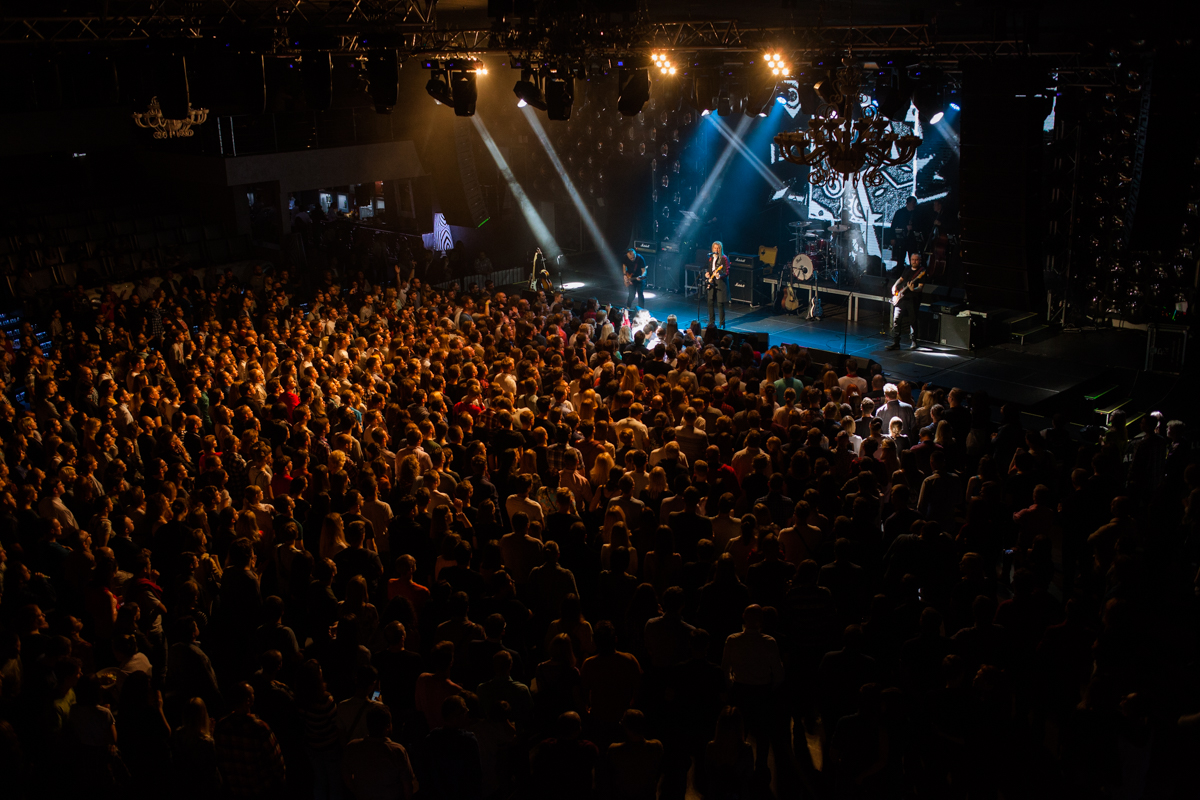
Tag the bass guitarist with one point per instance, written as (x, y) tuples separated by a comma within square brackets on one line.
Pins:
[(906, 301), (716, 283), (634, 267)]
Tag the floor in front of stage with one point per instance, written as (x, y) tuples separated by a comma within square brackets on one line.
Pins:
[(1047, 376)]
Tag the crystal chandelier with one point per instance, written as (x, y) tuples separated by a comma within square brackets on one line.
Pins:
[(837, 147)]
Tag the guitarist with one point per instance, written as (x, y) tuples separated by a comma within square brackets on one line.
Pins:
[(906, 300), (716, 281), (634, 267)]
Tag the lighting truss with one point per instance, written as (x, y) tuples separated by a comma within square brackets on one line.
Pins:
[(411, 27)]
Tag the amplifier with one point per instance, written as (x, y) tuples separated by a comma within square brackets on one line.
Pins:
[(955, 331), (668, 246), (746, 286), (741, 259), (1166, 348), (644, 248)]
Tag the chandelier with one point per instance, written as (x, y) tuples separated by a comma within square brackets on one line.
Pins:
[(837, 146), (169, 128)]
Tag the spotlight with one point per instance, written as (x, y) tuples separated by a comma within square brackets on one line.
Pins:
[(893, 93), (774, 62), (928, 95), (465, 93), (528, 93), (560, 94), (634, 91), (439, 88)]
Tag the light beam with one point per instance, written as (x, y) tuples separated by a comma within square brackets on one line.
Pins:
[(541, 233), (610, 259)]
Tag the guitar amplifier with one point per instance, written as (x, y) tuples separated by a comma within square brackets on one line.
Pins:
[(741, 259), (668, 246), (955, 331), (746, 286), (645, 248)]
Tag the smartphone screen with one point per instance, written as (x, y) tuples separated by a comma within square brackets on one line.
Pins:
[(375, 697)]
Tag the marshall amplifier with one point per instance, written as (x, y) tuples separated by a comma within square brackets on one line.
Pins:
[(645, 248), (741, 260), (746, 286)]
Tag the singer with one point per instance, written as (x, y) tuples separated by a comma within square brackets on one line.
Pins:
[(716, 283)]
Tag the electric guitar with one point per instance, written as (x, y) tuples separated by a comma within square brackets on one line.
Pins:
[(714, 272), (904, 288), (814, 306), (533, 273)]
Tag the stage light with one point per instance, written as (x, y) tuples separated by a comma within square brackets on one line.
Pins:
[(928, 96), (956, 106), (465, 93), (634, 91), (705, 112), (528, 93), (438, 88), (775, 63), (560, 94)]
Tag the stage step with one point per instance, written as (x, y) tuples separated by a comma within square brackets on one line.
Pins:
[(1096, 395), (1014, 322), (1111, 407), (1029, 331)]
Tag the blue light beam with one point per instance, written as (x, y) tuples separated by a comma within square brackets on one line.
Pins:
[(541, 233), (708, 190)]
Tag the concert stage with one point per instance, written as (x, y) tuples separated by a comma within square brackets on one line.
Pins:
[(1065, 372)]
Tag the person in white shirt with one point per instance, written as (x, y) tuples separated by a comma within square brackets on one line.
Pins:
[(379, 514), (852, 378), (52, 507), (692, 440), (520, 501), (641, 434), (725, 526)]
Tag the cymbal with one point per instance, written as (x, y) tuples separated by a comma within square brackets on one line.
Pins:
[(801, 224), (839, 228)]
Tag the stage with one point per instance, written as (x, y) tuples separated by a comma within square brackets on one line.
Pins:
[(1064, 372)]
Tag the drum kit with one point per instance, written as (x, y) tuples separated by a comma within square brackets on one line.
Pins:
[(825, 253)]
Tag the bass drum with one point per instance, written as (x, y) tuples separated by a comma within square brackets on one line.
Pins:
[(802, 267)]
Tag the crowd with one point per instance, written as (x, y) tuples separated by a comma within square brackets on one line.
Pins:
[(266, 540)]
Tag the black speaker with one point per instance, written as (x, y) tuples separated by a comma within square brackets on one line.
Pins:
[(759, 340), (746, 286), (383, 70), (955, 331), (668, 272), (316, 70)]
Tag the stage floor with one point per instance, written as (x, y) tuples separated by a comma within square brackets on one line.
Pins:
[(1041, 375)]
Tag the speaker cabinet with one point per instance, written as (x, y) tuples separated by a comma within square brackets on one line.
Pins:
[(746, 286), (955, 331)]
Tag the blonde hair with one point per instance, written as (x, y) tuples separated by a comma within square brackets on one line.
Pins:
[(601, 468)]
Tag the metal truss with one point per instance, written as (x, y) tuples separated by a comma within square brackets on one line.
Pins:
[(138, 20), (411, 26)]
